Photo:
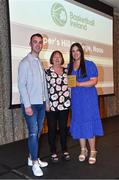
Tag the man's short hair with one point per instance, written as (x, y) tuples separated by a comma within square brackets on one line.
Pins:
[(37, 34)]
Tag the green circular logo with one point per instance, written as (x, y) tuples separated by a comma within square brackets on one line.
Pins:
[(59, 14)]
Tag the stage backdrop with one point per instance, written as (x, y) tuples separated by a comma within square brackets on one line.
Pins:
[(12, 126), (61, 23)]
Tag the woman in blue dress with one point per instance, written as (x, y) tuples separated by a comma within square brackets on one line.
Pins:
[(85, 122)]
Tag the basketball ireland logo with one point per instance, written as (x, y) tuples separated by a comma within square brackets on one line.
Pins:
[(58, 14)]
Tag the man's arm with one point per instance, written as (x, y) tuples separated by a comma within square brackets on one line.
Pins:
[(22, 84)]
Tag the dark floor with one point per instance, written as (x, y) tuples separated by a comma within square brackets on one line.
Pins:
[(13, 158)]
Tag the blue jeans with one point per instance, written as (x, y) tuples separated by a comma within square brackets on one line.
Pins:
[(34, 124)]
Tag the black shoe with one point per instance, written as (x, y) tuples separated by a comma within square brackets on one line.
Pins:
[(66, 156)]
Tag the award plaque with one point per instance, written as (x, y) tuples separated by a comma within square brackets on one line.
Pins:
[(71, 80)]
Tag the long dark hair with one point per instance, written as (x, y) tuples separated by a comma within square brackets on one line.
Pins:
[(82, 63)]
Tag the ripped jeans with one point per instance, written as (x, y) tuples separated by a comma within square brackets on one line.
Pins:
[(34, 124)]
